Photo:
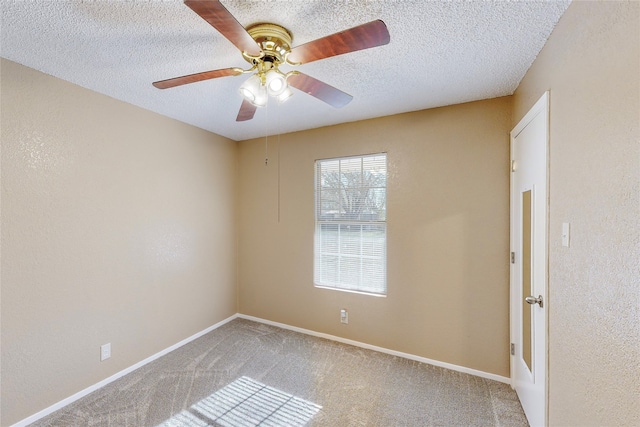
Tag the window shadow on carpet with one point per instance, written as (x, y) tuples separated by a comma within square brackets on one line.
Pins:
[(246, 403)]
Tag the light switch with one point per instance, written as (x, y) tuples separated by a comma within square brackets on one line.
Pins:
[(565, 234)]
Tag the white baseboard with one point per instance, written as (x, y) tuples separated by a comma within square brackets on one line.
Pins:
[(450, 366), (33, 418), (90, 389)]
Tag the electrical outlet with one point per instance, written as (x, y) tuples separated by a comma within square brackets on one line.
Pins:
[(344, 316), (105, 352)]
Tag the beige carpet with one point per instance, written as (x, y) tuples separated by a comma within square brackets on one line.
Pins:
[(249, 374)]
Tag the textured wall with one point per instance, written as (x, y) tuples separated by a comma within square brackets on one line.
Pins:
[(448, 230), (591, 64), (117, 226)]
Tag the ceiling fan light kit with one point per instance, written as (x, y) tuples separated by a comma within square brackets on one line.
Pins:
[(266, 46), (275, 44)]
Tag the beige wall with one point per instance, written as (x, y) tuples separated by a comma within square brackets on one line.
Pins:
[(117, 226), (448, 229), (591, 64)]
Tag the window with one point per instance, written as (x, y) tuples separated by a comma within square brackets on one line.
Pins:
[(351, 231)]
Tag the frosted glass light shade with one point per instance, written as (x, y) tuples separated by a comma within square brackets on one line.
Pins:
[(250, 89), (261, 97), (286, 94), (276, 83)]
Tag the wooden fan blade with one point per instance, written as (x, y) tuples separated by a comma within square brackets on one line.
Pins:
[(222, 20), (364, 36), (247, 110), (197, 77), (321, 90)]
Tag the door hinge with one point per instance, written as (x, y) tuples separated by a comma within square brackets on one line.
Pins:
[(513, 349), (513, 257), (514, 166)]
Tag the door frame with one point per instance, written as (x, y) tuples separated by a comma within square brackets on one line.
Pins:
[(540, 107)]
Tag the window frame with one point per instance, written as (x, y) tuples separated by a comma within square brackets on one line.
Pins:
[(378, 225)]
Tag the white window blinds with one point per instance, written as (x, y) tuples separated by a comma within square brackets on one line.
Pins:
[(351, 231)]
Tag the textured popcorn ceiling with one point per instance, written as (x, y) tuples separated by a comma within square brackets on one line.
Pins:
[(441, 53)]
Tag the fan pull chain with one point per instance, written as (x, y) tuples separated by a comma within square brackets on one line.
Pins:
[(278, 126), (266, 135)]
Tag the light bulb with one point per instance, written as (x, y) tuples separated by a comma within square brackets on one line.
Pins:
[(247, 94), (276, 83)]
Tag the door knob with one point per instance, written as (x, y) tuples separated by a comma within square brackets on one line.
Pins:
[(533, 300)]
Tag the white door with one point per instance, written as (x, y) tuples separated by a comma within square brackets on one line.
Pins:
[(529, 206)]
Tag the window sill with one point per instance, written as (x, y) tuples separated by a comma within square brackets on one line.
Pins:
[(371, 294)]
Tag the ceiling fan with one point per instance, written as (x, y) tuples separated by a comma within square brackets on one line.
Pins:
[(267, 46)]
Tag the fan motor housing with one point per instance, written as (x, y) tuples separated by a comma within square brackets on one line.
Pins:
[(274, 40)]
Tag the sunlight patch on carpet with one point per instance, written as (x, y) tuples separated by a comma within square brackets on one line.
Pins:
[(246, 403)]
